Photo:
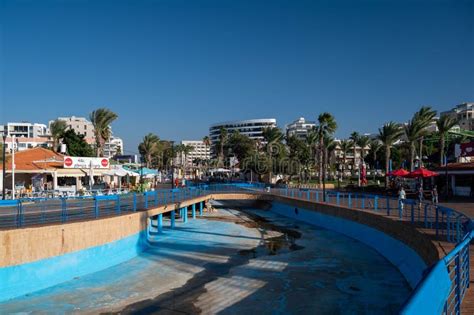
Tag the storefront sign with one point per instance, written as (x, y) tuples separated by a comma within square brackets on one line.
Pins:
[(85, 162), (467, 149)]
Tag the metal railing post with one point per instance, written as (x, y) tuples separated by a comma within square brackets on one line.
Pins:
[(19, 219), (63, 210), (117, 204), (134, 202), (96, 207)]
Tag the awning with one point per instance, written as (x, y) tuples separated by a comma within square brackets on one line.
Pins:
[(70, 172)]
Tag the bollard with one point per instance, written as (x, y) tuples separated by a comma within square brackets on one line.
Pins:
[(376, 203), (185, 214), (337, 198), (349, 200), (201, 206), (146, 200), (194, 211)]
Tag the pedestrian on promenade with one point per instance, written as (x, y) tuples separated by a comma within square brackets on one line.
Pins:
[(401, 199), (421, 197), (434, 195)]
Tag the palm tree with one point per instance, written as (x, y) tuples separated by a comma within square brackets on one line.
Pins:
[(312, 143), (375, 146), (354, 137), (149, 147), (57, 129), (415, 130), (345, 146), (363, 142), (101, 119), (273, 137), (329, 147), (388, 135), (444, 124), (222, 141), (326, 126)]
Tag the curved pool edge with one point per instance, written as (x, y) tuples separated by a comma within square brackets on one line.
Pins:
[(410, 264)]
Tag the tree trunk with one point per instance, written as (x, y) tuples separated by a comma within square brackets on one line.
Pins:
[(387, 164), (412, 156), (441, 150), (270, 163), (320, 173), (421, 151)]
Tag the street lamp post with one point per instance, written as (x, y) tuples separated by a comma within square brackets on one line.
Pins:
[(172, 164), (5, 132)]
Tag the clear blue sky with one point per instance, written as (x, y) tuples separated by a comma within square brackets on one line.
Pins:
[(174, 67)]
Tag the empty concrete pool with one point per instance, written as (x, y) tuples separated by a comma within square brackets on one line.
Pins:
[(234, 261)]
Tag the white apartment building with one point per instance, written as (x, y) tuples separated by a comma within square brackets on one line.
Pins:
[(299, 128), (113, 147), (464, 113), (25, 129), (199, 151), (83, 126), (80, 125), (27, 135)]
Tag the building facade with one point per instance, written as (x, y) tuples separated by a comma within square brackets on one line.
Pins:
[(464, 113), (82, 126), (253, 128), (113, 147), (199, 151), (299, 128), (27, 135)]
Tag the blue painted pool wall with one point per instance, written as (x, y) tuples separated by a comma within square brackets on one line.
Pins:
[(407, 260), (26, 278)]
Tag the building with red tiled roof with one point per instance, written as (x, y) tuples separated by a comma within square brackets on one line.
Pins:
[(40, 169)]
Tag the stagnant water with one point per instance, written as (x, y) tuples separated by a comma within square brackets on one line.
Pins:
[(235, 262)]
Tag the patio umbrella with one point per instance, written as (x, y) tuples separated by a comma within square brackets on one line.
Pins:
[(421, 172), (399, 173)]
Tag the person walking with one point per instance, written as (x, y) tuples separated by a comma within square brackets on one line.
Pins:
[(421, 196), (434, 195), (401, 200)]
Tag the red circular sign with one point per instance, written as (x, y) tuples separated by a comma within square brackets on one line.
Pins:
[(68, 161), (104, 162)]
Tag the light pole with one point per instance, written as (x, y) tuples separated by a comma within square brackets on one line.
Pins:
[(5, 133), (172, 164), (13, 167)]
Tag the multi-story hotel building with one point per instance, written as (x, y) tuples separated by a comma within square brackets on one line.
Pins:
[(299, 128), (253, 128), (464, 113), (199, 151)]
